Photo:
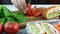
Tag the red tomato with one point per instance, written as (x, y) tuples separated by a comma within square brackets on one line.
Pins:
[(41, 11), (11, 28), (37, 13), (15, 27), (28, 10), (0, 28), (33, 11)]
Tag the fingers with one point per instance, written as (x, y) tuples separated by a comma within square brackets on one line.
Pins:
[(15, 3), (20, 4), (24, 3)]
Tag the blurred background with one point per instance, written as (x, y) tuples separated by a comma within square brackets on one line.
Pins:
[(34, 1)]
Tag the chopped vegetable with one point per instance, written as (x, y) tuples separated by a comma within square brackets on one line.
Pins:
[(37, 13), (33, 11), (28, 10)]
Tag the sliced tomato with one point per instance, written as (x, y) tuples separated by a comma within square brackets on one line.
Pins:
[(41, 11), (57, 28), (28, 10), (37, 13), (33, 11)]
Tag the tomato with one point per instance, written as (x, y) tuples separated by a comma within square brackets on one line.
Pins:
[(15, 27), (33, 11), (41, 11), (11, 28), (0, 28), (28, 10), (38, 12)]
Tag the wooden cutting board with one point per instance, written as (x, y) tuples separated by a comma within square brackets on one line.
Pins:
[(31, 19)]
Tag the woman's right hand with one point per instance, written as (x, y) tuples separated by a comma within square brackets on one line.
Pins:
[(20, 4)]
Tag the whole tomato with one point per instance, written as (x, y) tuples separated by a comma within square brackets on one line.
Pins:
[(11, 28), (0, 28)]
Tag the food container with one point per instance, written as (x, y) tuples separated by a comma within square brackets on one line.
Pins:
[(51, 24)]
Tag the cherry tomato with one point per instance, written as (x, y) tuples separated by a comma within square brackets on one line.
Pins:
[(11, 28), (0, 28), (28, 10), (33, 11)]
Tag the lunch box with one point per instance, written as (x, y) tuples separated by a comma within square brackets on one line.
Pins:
[(52, 22)]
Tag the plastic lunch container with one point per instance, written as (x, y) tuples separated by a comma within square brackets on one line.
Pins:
[(51, 23)]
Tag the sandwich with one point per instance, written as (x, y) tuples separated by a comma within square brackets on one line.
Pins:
[(51, 12), (49, 29), (35, 29), (42, 28)]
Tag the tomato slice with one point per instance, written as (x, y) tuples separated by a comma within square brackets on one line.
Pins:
[(41, 11), (37, 13), (33, 11), (28, 10)]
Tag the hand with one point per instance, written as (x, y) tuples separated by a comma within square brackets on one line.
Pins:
[(20, 4)]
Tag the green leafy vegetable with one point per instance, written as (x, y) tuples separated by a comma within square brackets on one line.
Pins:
[(6, 12), (1, 11), (18, 16), (3, 21), (7, 15), (10, 19)]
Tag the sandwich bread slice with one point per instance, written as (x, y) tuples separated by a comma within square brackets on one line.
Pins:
[(51, 12)]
